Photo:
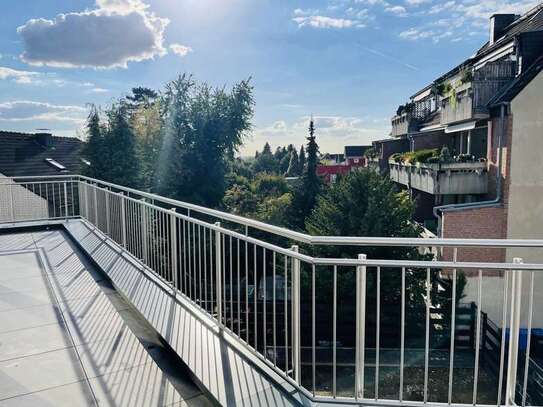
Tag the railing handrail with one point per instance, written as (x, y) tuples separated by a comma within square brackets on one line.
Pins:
[(306, 238)]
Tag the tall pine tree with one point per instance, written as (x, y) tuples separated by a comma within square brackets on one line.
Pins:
[(305, 197)]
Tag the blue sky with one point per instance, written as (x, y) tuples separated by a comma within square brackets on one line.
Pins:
[(347, 62)]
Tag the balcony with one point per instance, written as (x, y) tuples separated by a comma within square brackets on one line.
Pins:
[(442, 179), (470, 99), (256, 322)]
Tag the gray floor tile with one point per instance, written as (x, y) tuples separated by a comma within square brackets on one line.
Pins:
[(70, 395), (39, 372), (31, 341), (29, 317)]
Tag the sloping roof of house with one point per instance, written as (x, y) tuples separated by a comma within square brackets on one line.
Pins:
[(532, 20), (355, 151), (22, 154), (515, 87)]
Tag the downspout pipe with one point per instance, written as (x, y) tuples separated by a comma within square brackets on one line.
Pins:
[(496, 200)]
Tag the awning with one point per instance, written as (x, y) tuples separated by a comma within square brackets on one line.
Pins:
[(460, 127)]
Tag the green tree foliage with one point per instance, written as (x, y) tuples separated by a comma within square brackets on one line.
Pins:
[(120, 143), (204, 127), (365, 204), (94, 148), (294, 165), (147, 123), (265, 161), (111, 147), (266, 198), (305, 197), (301, 159)]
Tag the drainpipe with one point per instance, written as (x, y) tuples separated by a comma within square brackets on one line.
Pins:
[(496, 200)]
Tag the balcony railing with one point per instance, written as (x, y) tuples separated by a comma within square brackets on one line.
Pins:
[(442, 179), (349, 330), (471, 98)]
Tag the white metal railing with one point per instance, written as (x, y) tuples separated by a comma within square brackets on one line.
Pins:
[(378, 331)]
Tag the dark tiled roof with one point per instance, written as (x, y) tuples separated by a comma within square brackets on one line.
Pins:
[(515, 87), (530, 21), (355, 151), (22, 155)]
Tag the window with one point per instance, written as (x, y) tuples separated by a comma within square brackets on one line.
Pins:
[(55, 164)]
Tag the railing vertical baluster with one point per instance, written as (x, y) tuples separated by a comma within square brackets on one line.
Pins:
[(274, 313), (402, 336), (286, 314), (144, 232), (12, 206), (264, 299), (108, 217), (296, 365), (239, 292), (123, 220), (377, 332), (255, 326), (516, 297), (427, 335), (313, 330), (360, 328), (218, 271), (95, 205), (506, 276), (478, 335), (453, 328), (529, 338), (65, 200), (334, 333), (173, 234)]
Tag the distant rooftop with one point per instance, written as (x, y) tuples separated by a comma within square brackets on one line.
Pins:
[(38, 153)]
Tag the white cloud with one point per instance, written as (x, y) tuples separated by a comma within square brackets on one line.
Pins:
[(24, 110), (24, 77), (117, 32), (333, 132), (400, 11), (181, 50), (326, 22), (417, 2), (415, 34), (99, 90)]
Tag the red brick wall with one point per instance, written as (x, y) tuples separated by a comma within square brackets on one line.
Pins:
[(477, 223)]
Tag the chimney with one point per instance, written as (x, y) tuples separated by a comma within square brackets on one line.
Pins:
[(44, 139), (498, 23)]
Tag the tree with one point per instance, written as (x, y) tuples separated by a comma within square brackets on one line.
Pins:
[(94, 148), (111, 148), (120, 148), (204, 127), (147, 123), (305, 197), (301, 156), (285, 159), (141, 96), (265, 161), (294, 165)]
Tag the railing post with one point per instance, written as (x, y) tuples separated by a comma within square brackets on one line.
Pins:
[(514, 333), (144, 232), (123, 220), (296, 365), (218, 271), (360, 328), (173, 238), (65, 200), (108, 221), (12, 206), (86, 200)]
